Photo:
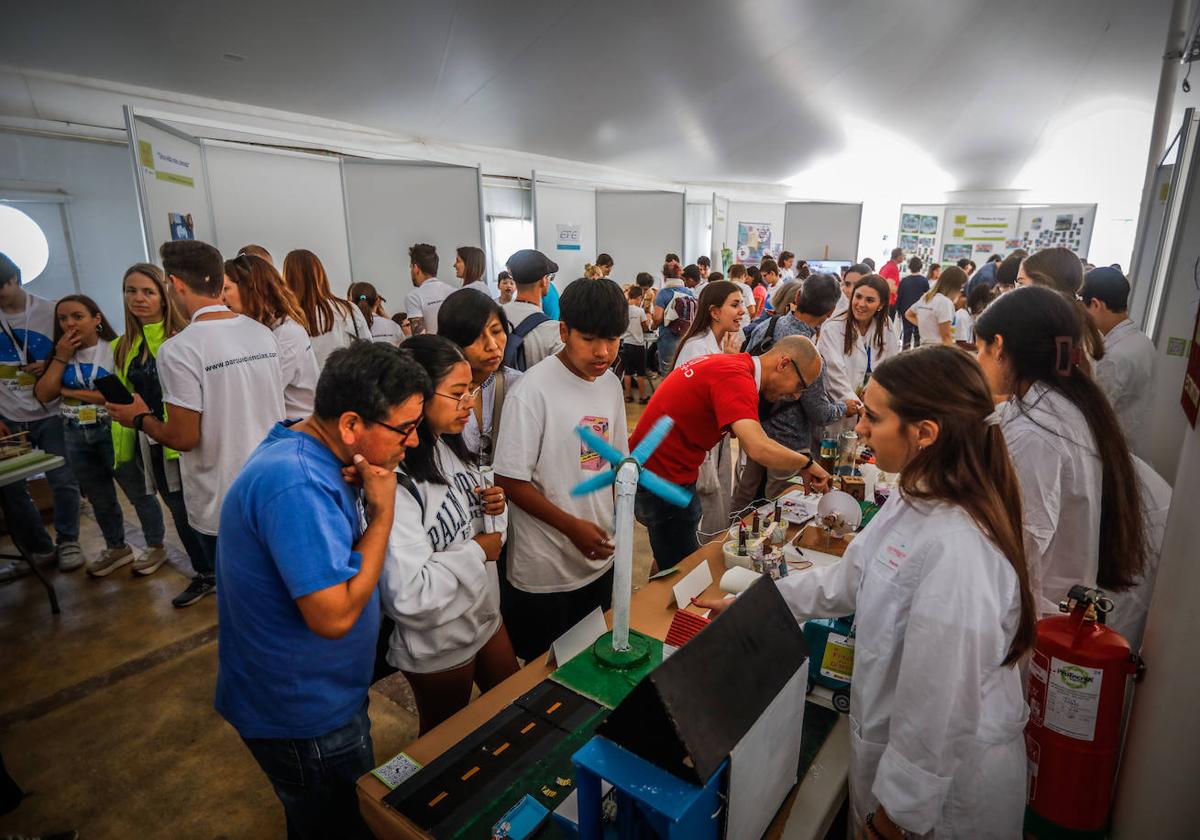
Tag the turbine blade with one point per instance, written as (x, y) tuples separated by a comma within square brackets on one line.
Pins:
[(665, 490), (606, 449), (595, 483), (652, 439)]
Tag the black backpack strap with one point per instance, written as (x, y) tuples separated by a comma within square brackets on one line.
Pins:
[(405, 481), (514, 353)]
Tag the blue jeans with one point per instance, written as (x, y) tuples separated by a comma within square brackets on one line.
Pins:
[(90, 457), (135, 470), (207, 567), (672, 529), (24, 521), (667, 342), (315, 778)]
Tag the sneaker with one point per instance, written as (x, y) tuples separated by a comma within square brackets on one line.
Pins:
[(14, 570), (109, 561), (70, 556), (45, 558), (197, 589), (150, 561)]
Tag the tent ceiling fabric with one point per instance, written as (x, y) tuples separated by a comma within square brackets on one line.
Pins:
[(683, 89)]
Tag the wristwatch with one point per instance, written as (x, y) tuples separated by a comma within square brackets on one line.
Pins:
[(807, 466), (139, 418)]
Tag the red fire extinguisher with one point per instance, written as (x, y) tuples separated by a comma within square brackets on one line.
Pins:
[(1077, 684)]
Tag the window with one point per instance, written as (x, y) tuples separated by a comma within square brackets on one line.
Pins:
[(506, 236), (23, 240)]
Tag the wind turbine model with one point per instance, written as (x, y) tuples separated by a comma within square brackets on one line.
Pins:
[(627, 472)]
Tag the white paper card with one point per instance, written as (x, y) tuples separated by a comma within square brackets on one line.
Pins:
[(576, 640), (697, 580)]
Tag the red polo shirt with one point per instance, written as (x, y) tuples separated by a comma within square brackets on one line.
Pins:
[(704, 397), (891, 273)]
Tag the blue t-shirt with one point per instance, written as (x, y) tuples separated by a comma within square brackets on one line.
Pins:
[(288, 527), (550, 303)]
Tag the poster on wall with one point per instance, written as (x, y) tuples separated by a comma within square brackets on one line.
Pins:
[(952, 252), (569, 237), (910, 223), (182, 227), (929, 225), (909, 242), (1070, 230), (755, 241)]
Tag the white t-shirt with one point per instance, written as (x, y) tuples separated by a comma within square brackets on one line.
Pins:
[(349, 326), (546, 338), (25, 336), (228, 370), (87, 365), (297, 368), (747, 302), (425, 301), (964, 326), (538, 444), (931, 313), (634, 333), (705, 344), (386, 331)]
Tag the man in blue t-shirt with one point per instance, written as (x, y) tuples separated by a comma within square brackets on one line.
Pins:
[(298, 612), (669, 318)]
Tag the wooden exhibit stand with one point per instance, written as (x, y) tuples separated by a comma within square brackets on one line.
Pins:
[(806, 814)]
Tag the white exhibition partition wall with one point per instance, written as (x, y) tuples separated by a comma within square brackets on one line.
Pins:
[(697, 233), (173, 190), (281, 200), (751, 219), (821, 230), (637, 229), (564, 226), (392, 205), (1141, 272)]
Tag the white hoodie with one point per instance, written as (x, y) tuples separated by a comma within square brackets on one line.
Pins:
[(436, 583)]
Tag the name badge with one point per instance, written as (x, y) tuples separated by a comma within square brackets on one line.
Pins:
[(25, 379), (88, 415)]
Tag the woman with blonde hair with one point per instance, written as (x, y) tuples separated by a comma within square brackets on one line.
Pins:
[(254, 288), (331, 322), (370, 304)]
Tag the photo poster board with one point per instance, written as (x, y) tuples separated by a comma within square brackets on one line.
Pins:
[(282, 200), (172, 183), (637, 229), (919, 232), (564, 227), (976, 232), (1054, 226), (753, 229), (392, 205), (820, 230)]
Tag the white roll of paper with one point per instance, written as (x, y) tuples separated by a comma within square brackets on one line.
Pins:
[(738, 580)]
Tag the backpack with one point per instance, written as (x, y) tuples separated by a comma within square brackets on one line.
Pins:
[(768, 339), (684, 308), (514, 353)]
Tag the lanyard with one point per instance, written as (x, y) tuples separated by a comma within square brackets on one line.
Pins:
[(204, 310), (23, 349), (867, 373), (82, 382)]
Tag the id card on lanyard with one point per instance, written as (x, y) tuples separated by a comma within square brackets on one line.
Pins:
[(14, 372), (87, 414)]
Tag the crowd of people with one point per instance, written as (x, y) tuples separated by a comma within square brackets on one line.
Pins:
[(371, 494)]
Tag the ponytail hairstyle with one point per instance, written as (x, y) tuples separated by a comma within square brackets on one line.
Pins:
[(306, 277), (713, 296), (592, 272), (364, 296), (264, 296), (172, 319), (474, 263), (105, 332), (968, 465), (950, 283), (437, 356), (881, 287), (1059, 269), (1042, 344)]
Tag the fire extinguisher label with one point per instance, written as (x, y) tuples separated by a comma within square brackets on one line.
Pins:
[(1073, 699)]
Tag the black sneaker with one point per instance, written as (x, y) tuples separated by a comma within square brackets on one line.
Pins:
[(197, 589)]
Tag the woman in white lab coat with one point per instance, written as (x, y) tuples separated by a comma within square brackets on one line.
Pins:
[(943, 611), (855, 342), (1083, 517)]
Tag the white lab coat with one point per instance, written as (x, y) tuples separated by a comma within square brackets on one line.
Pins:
[(936, 723), (845, 375), (1059, 468), (1131, 607), (715, 481), (1126, 373)]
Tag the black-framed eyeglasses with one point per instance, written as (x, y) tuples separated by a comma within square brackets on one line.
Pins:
[(799, 375), (405, 430)]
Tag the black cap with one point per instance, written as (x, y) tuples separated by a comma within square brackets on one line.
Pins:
[(529, 266)]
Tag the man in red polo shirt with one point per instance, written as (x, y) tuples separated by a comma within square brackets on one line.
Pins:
[(708, 398), (891, 273)]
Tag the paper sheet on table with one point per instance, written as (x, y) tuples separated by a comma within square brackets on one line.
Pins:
[(697, 580), (764, 764), (576, 640)]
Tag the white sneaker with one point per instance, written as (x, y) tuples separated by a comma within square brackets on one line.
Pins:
[(70, 556), (109, 561), (150, 561)]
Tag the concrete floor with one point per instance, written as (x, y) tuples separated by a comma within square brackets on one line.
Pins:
[(106, 715)]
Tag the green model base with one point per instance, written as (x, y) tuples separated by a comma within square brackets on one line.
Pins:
[(607, 676)]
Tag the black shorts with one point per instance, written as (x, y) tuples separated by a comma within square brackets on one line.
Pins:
[(633, 359)]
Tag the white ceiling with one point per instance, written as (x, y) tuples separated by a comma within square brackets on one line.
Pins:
[(702, 90)]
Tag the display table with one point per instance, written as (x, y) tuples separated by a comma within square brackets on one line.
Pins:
[(21, 468), (807, 812)]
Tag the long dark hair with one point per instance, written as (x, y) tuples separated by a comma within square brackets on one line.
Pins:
[(968, 465), (364, 296), (306, 277), (1059, 269), (264, 296), (714, 294), (104, 332), (474, 263), (465, 313), (880, 318), (1042, 338), (437, 355)]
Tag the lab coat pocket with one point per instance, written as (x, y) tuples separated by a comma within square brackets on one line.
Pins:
[(864, 763)]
